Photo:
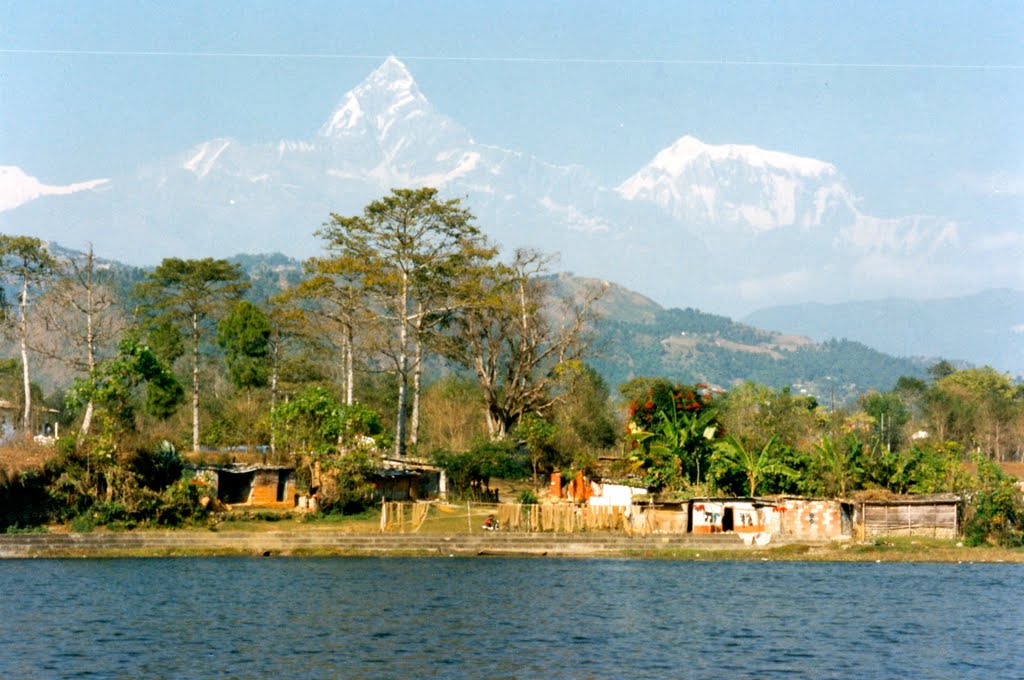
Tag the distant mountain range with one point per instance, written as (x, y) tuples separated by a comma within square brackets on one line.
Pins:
[(986, 328), (726, 227)]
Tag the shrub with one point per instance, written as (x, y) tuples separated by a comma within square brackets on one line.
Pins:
[(995, 511), (350, 490)]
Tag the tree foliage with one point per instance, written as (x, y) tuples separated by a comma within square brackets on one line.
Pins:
[(731, 454), (515, 347), (186, 293), (671, 431), (244, 336), (407, 250)]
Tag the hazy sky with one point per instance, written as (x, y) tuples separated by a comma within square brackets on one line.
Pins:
[(917, 103)]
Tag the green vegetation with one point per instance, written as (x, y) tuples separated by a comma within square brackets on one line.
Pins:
[(411, 335)]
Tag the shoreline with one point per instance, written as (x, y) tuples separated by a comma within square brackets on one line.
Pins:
[(324, 543)]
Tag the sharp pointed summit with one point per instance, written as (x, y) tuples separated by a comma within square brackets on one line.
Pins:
[(386, 95), (741, 218)]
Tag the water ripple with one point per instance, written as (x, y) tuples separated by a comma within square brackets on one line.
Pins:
[(502, 618)]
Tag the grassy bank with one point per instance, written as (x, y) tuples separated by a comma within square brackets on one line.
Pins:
[(896, 549)]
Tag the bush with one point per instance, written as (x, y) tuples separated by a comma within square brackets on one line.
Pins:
[(527, 497), (24, 499), (350, 490), (470, 471), (995, 511), (158, 467)]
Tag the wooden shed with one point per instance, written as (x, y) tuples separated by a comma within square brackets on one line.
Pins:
[(933, 515), (268, 486)]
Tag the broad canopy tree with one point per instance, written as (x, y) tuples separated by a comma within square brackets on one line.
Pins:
[(513, 344), (407, 249)]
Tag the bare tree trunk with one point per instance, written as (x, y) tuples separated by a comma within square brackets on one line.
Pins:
[(90, 338), (350, 365), (417, 377), (195, 382), (275, 353), (403, 366), (26, 421)]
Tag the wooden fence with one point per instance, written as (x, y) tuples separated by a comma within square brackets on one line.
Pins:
[(405, 517), (436, 516)]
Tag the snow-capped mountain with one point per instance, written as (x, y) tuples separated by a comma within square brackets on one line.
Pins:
[(741, 188), (18, 188), (753, 227)]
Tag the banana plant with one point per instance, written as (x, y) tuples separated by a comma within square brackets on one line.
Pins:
[(754, 464)]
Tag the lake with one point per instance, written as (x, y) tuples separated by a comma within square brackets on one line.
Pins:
[(507, 618)]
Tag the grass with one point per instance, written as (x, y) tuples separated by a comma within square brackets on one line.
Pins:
[(895, 549)]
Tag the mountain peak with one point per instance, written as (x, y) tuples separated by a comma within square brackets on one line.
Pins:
[(740, 186), (385, 95), (18, 187), (688, 149), (392, 70)]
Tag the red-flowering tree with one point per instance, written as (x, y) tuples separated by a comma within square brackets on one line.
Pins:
[(672, 428)]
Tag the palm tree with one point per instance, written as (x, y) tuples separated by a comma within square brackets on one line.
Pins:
[(754, 464), (839, 463)]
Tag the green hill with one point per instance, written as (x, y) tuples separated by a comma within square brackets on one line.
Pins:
[(637, 337)]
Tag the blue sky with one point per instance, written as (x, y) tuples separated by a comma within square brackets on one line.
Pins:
[(918, 103)]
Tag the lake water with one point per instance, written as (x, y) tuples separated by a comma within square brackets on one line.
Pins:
[(507, 618)]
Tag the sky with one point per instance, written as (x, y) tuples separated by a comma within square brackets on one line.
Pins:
[(918, 104)]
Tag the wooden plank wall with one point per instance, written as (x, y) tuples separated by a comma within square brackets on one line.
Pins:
[(910, 520)]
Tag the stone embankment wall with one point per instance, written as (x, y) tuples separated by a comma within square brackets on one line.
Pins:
[(166, 543)]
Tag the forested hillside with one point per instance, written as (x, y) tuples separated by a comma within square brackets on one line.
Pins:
[(636, 337)]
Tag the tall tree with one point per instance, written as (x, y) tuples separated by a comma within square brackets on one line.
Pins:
[(187, 293), (753, 413), (837, 465), (112, 385), (406, 249), (981, 407), (26, 264), (889, 415), (338, 306), (81, 320), (244, 337)]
